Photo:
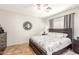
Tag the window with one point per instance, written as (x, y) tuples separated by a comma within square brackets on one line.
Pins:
[(57, 23)]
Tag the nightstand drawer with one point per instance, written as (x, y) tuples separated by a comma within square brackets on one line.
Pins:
[(2, 46), (2, 37), (3, 40)]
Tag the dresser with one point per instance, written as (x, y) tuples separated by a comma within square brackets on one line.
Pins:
[(3, 42), (75, 45)]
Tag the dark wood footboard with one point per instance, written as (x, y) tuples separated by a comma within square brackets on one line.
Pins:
[(62, 50), (40, 51), (36, 49)]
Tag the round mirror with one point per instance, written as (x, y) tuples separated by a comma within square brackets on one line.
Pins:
[(27, 25)]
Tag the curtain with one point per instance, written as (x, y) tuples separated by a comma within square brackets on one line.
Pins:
[(69, 22)]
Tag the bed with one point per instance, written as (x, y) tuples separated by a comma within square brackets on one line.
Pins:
[(47, 45)]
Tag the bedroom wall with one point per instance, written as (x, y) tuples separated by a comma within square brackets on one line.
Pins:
[(76, 24), (12, 23)]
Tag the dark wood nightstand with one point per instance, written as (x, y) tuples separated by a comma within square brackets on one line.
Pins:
[(75, 45)]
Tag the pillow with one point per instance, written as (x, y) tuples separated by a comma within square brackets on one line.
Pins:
[(57, 35), (65, 34), (52, 34), (61, 35)]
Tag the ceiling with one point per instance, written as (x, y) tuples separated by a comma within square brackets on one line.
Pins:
[(31, 10)]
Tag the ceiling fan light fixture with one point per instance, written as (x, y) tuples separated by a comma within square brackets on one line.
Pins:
[(48, 8), (43, 7)]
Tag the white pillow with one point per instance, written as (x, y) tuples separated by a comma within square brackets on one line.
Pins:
[(52, 34), (61, 35), (65, 34), (57, 35)]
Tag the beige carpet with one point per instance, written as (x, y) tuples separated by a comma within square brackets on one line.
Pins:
[(20, 49)]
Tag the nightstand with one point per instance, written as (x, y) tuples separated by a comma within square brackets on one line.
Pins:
[(75, 45)]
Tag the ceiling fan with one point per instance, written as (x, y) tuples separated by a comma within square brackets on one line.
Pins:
[(44, 7)]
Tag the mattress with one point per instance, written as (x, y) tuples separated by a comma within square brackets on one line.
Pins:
[(50, 44)]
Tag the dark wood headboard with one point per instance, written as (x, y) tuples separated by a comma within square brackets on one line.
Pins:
[(67, 30)]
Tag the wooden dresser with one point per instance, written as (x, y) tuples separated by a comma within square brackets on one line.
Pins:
[(75, 45), (3, 42)]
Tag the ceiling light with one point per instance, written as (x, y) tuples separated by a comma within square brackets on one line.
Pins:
[(43, 7)]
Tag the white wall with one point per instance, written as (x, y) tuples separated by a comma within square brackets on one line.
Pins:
[(12, 23), (76, 24)]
